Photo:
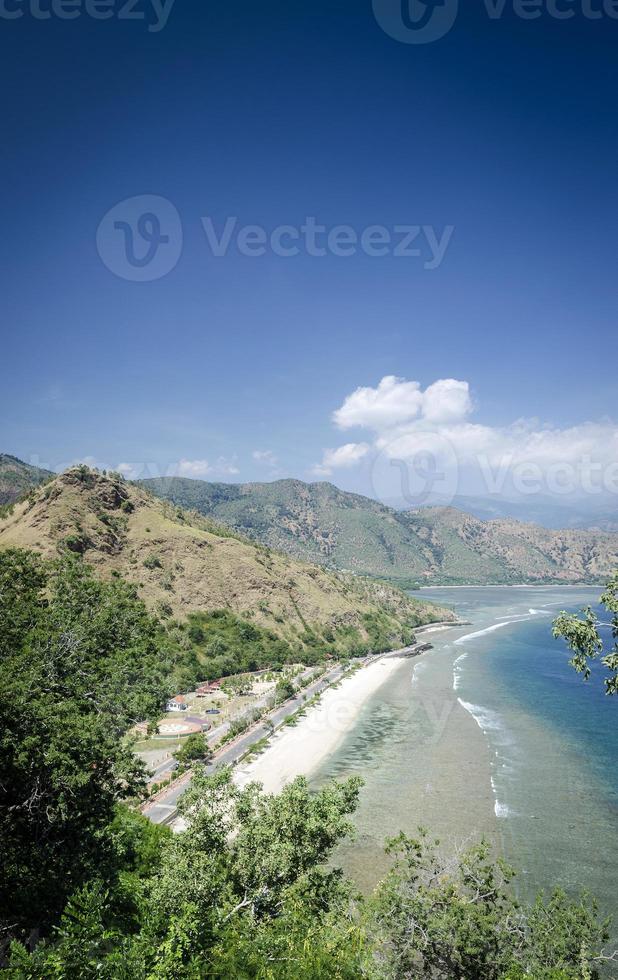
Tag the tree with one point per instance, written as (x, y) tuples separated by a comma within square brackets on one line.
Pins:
[(80, 662), (248, 889), (242, 892), (284, 690), (455, 917), (195, 748), (583, 637)]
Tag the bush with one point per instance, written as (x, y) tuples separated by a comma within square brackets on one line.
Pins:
[(193, 749), (152, 562)]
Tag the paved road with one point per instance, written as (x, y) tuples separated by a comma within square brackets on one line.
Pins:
[(164, 808), (215, 735)]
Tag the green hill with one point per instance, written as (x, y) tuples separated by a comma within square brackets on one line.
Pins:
[(184, 563), (17, 478), (439, 545)]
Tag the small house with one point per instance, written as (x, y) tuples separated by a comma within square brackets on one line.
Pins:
[(179, 703), (211, 688)]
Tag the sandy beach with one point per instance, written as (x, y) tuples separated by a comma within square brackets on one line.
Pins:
[(298, 750)]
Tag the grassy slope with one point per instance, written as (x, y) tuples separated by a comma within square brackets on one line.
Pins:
[(323, 524), (186, 563)]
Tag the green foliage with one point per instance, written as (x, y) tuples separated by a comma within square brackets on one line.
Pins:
[(194, 748), (151, 561), (75, 543), (222, 644), (583, 638), (241, 724), (243, 892), (284, 689), (248, 890), (455, 916), (80, 662), (17, 479)]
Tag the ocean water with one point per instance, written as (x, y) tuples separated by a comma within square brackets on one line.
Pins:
[(492, 734)]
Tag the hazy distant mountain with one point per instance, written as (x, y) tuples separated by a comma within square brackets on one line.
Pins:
[(17, 477), (598, 513), (318, 522)]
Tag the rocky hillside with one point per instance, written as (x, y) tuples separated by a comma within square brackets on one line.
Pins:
[(506, 550), (17, 477), (438, 545), (183, 562)]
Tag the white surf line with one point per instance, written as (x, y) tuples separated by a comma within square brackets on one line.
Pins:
[(457, 669), (489, 629), (488, 720), (502, 621)]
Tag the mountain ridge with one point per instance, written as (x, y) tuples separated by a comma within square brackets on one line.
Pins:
[(427, 546), (319, 523), (181, 563)]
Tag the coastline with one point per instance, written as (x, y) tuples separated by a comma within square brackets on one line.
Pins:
[(300, 749), (515, 585)]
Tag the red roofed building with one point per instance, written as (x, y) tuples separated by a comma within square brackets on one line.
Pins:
[(179, 703), (211, 688)]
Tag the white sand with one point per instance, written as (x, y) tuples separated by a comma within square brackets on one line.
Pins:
[(298, 750)]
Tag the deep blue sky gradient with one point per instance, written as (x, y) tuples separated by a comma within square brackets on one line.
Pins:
[(274, 111)]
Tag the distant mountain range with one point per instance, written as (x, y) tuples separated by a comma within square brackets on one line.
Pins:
[(597, 513), (433, 545), (319, 523)]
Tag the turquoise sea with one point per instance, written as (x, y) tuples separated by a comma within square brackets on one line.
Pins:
[(492, 733)]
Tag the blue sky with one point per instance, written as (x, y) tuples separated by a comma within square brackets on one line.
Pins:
[(504, 130)]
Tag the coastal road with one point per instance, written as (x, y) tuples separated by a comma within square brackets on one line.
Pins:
[(215, 735), (163, 808)]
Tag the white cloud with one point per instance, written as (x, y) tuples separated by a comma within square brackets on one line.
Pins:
[(194, 468), (199, 469), (397, 402), (341, 458), (392, 402), (430, 431), (265, 457), (447, 401)]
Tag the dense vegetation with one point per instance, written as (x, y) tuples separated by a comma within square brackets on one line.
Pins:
[(322, 524), (220, 644), (245, 892), (80, 663), (90, 889)]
